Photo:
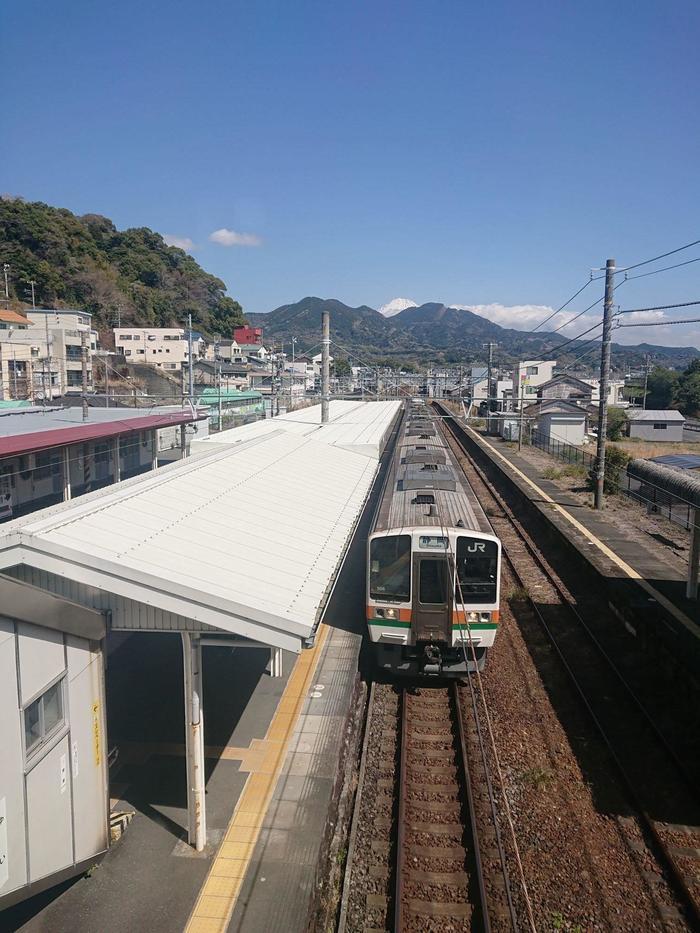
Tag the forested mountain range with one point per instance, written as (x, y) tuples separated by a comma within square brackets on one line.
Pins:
[(86, 263), (434, 332)]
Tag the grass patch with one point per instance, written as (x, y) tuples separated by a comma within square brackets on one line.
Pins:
[(518, 594), (536, 777), (552, 473)]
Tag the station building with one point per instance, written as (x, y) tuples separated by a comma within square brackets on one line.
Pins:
[(50, 455)]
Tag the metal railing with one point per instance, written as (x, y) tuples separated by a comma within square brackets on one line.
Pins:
[(569, 453), (657, 501)]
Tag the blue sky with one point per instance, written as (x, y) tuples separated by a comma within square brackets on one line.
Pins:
[(468, 152)]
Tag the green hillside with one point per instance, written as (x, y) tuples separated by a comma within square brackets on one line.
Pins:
[(86, 263)]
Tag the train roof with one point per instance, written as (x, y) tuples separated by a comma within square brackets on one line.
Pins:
[(426, 487)]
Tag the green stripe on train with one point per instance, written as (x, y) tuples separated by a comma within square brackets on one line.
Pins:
[(394, 623)]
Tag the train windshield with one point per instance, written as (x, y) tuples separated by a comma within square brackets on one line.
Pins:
[(477, 571), (390, 568)]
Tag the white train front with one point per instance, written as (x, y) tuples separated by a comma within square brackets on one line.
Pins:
[(433, 569)]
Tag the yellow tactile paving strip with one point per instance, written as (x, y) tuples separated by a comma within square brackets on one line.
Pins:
[(216, 900)]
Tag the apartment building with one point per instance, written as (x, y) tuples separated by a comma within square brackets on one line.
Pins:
[(41, 353), (164, 347)]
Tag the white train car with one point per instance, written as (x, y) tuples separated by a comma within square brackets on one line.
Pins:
[(433, 570)]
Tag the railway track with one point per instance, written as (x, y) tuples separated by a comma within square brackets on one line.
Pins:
[(438, 873), (434, 860), (652, 773)]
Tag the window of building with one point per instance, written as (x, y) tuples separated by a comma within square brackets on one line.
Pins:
[(44, 717), (660, 427), (140, 351), (127, 352), (532, 370), (126, 337), (44, 464)]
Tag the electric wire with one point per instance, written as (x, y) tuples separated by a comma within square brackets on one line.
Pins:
[(656, 258), (643, 275)]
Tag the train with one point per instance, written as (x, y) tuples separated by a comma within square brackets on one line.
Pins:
[(433, 561)]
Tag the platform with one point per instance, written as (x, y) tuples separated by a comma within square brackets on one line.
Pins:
[(652, 585)]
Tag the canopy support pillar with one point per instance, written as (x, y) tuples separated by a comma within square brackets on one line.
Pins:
[(194, 741), (275, 662)]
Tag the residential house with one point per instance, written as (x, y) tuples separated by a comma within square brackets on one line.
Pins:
[(566, 387), (559, 420), (650, 425), (528, 376)]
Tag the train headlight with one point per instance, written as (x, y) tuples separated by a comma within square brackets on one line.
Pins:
[(485, 616), (472, 617), (390, 613)]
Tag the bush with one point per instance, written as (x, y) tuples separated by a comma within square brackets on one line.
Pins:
[(616, 461)]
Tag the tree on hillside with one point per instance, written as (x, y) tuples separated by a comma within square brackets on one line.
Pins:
[(662, 387), (341, 368), (689, 395), (86, 263)]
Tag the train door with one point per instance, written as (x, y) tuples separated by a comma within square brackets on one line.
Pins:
[(432, 599)]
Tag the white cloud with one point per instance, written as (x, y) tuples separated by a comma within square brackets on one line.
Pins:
[(520, 317), (226, 237), (395, 306), (182, 242)]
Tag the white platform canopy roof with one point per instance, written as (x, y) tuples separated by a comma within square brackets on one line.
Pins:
[(246, 538)]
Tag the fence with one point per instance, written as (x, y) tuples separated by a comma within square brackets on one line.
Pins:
[(657, 501), (563, 451)]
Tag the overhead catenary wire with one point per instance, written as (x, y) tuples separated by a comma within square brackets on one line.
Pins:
[(561, 307), (646, 262), (677, 265)]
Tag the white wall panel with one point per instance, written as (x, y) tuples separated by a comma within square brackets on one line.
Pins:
[(87, 748), (41, 658), (14, 874), (49, 813)]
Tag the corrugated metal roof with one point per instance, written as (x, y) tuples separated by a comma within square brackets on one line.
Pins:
[(247, 538), (679, 461), (359, 426), (22, 432), (638, 414)]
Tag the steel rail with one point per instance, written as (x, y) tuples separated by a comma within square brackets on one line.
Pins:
[(648, 822), (467, 782)]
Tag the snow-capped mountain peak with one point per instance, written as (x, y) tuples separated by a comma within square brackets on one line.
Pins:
[(395, 306)]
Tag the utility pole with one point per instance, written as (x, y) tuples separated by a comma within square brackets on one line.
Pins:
[(520, 406), (489, 401), (104, 360), (604, 380), (6, 270), (189, 352), (325, 366), (646, 381), (47, 385), (83, 362)]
